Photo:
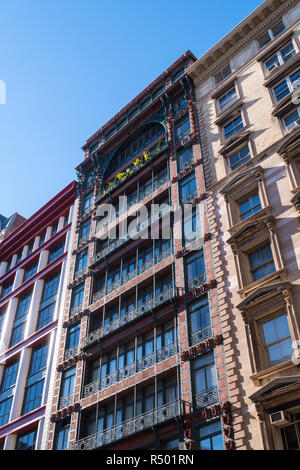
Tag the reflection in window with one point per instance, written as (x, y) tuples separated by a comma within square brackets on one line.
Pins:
[(261, 262), (210, 437), (278, 344)]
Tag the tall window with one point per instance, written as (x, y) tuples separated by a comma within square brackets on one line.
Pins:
[(192, 225), (199, 321), (20, 319), (280, 57), (81, 262), (210, 437), (54, 229), (42, 238), (84, 231), (1, 320), (205, 376), (77, 296), (277, 340), (233, 126), (87, 203), (8, 381), (185, 158), (249, 205), (30, 248), (56, 251), (291, 436), (48, 299), (6, 288), (261, 262), (19, 257), (188, 188), (67, 387), (62, 430), (195, 269), (182, 129), (73, 336), (30, 271), (26, 441), (35, 379)]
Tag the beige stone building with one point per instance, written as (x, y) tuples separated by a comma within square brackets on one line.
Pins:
[(249, 121)]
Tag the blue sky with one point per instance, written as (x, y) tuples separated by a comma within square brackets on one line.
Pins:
[(70, 65)]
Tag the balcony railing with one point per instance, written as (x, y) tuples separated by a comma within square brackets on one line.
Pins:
[(189, 197), (67, 400), (75, 310), (129, 316), (207, 398), (132, 426), (80, 272), (182, 165), (71, 352), (129, 370), (131, 275), (196, 281), (200, 335)]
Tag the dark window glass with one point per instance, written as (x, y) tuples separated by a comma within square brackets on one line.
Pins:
[(291, 437), (56, 251), (81, 261), (38, 359), (249, 205), (73, 336), (199, 315), (87, 203), (5, 411), (26, 441), (9, 376), (42, 238), (33, 397), (48, 300), (182, 129), (30, 271), (233, 126), (62, 430), (77, 296), (261, 262), (278, 343), (195, 269), (185, 159), (6, 289), (84, 231), (227, 99), (205, 376), (20, 319), (54, 229), (188, 188), (35, 380), (210, 437)]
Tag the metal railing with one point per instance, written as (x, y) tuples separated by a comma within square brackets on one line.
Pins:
[(71, 352), (80, 272), (196, 281), (201, 335), (67, 400), (189, 197), (131, 275), (129, 370), (207, 398), (132, 426), (129, 316), (75, 310)]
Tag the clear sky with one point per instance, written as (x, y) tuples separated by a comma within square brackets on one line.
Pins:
[(70, 65)]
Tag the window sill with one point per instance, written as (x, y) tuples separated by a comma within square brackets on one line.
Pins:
[(279, 274), (234, 141), (268, 373)]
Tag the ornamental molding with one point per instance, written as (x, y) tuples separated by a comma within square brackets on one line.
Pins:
[(225, 56)]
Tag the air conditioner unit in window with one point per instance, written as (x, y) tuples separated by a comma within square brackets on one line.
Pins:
[(186, 140), (296, 84), (280, 418)]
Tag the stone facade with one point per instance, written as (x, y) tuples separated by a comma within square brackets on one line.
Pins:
[(250, 153)]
